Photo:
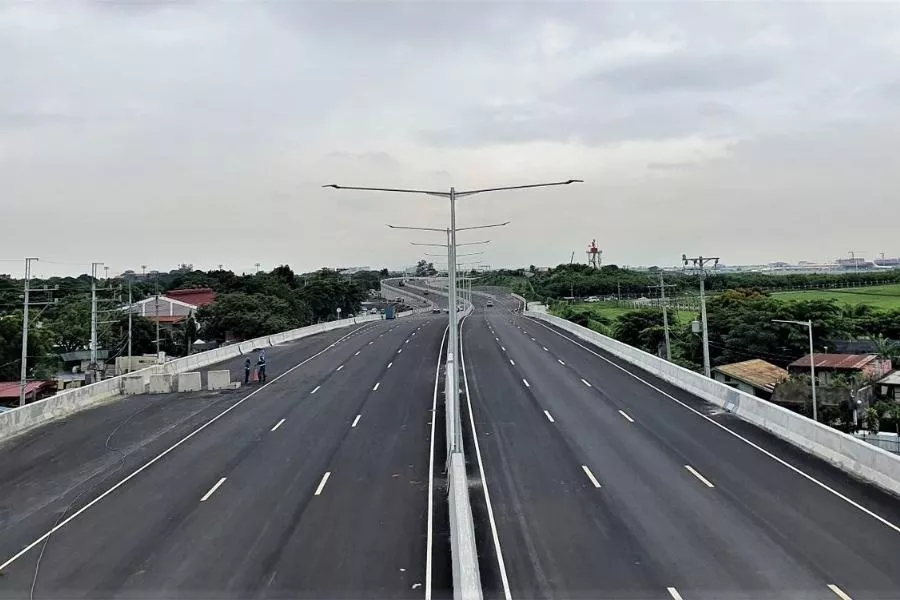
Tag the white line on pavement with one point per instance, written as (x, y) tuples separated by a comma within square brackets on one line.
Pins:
[(533, 340), (430, 535), (389, 365), (315, 389), (584, 381), (375, 389), (339, 368), (357, 353), (525, 381), (278, 424), (560, 362), (497, 339), (512, 362), (549, 418), (212, 490), (545, 348), (400, 350), (356, 420), (590, 476), (839, 592), (694, 472), (322, 483), (407, 341), (372, 342), (625, 414), (674, 593), (503, 348)]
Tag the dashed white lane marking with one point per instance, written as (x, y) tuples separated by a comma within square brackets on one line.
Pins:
[(525, 381), (560, 362), (400, 350), (503, 348), (322, 483), (407, 341), (372, 342), (590, 476), (512, 362), (694, 472), (545, 348), (584, 381), (357, 353), (549, 418), (839, 592), (674, 593), (625, 414), (356, 420), (390, 364), (339, 368), (212, 490), (497, 339), (315, 389), (375, 389), (278, 424), (533, 340)]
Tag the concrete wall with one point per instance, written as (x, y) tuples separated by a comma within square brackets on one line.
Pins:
[(189, 382), (218, 380), (844, 451), (69, 401)]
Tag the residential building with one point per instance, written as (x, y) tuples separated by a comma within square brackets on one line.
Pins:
[(889, 387), (867, 366), (34, 390), (756, 377), (174, 306)]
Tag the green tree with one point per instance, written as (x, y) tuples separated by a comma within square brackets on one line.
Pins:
[(872, 420), (246, 316), (640, 328), (41, 361)]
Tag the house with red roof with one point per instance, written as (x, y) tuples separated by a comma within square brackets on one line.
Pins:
[(174, 306)]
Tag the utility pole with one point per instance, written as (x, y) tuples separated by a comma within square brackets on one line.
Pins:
[(24, 367), (93, 364), (130, 314), (257, 267), (662, 301), (699, 266), (156, 311)]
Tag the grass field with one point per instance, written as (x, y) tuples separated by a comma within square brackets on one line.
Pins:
[(883, 296), (610, 311)]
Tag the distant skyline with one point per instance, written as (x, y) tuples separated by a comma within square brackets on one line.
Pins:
[(201, 132)]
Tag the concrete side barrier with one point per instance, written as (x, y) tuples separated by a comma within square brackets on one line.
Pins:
[(160, 384), (21, 419), (218, 380), (844, 451), (189, 382)]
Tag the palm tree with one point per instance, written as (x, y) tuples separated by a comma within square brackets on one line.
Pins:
[(886, 348)]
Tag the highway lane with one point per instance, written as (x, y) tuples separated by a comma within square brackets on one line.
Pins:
[(761, 531), (234, 511)]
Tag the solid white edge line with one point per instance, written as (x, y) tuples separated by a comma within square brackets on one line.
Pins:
[(545, 348), (165, 452), (212, 490), (323, 482), (501, 564), (549, 417), (315, 389), (590, 475), (674, 593), (525, 381), (430, 536), (278, 424), (627, 417), (839, 592), (356, 420), (375, 389), (694, 472), (753, 445), (584, 381)]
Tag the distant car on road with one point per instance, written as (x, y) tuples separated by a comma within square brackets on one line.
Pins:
[(435, 311), (446, 310), (490, 303)]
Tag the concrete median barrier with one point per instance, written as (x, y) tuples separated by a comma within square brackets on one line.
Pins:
[(161, 384), (218, 380), (846, 452), (132, 385)]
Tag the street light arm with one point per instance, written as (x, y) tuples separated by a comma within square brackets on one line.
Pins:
[(517, 187), (445, 245), (482, 227), (444, 230), (401, 191)]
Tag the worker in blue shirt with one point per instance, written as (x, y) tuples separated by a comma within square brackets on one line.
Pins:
[(261, 366)]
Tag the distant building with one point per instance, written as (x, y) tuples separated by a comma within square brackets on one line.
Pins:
[(34, 390), (174, 306), (756, 377), (870, 366), (889, 387)]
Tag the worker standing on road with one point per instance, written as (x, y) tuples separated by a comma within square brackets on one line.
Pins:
[(261, 366), (247, 367)]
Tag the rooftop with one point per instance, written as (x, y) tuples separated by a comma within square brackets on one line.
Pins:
[(756, 372), (10, 389), (196, 296), (849, 362), (892, 379)]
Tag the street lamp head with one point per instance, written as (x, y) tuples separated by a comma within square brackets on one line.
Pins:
[(332, 185), (575, 181)]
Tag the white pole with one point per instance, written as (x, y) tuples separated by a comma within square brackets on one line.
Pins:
[(23, 373), (812, 370), (93, 365), (706, 368)]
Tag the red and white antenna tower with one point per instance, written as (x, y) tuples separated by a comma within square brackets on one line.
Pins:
[(594, 254)]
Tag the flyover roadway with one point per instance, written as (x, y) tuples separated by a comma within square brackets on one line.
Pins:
[(324, 482), (596, 480)]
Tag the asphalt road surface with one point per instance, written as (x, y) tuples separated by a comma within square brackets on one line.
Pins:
[(603, 485), (317, 484)]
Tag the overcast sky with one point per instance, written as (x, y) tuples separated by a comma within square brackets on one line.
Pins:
[(156, 133)]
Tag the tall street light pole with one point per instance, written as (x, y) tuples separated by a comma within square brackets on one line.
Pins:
[(698, 265), (812, 361)]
